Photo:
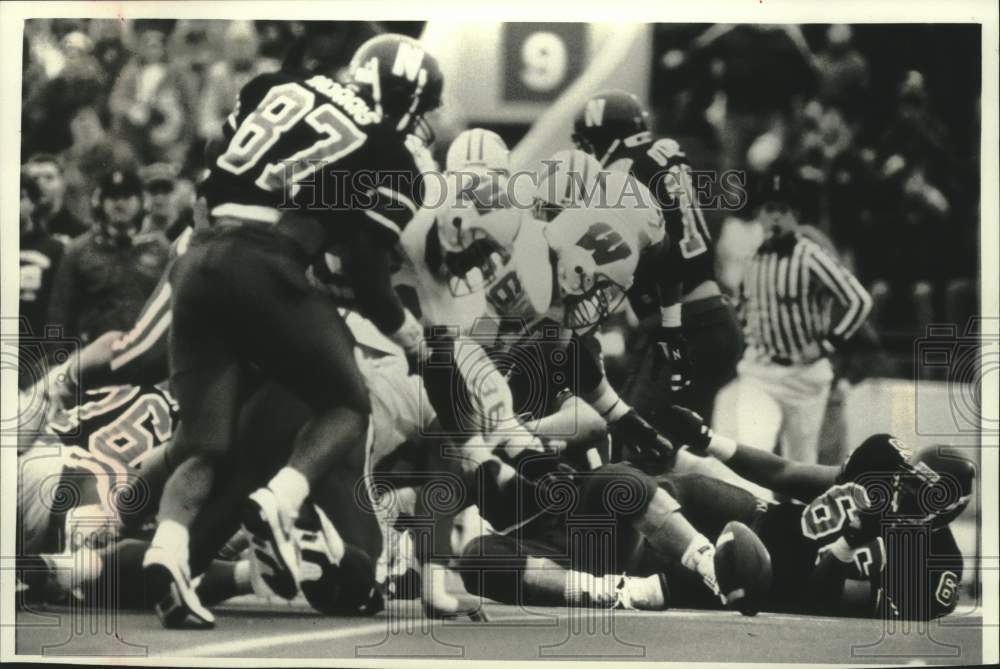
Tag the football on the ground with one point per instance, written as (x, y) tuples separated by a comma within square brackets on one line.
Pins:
[(743, 568)]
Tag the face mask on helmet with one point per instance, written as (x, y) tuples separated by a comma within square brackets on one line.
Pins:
[(472, 256), (588, 295), (403, 82), (476, 265)]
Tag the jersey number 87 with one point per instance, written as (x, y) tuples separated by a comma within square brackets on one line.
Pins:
[(280, 110)]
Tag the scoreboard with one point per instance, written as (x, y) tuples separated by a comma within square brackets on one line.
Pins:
[(509, 73), (540, 59)]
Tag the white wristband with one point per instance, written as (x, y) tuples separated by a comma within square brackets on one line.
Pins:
[(670, 317), (722, 448), (410, 333)]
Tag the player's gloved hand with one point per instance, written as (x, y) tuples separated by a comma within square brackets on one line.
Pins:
[(686, 428), (675, 355), (641, 444), (60, 387)]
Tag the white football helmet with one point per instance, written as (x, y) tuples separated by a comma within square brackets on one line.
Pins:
[(480, 151), (568, 179), (596, 257), (626, 195)]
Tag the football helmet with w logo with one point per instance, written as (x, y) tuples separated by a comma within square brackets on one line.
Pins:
[(595, 261)]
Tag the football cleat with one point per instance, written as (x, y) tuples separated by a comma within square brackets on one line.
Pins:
[(336, 578), (272, 543), (743, 568), (439, 603), (177, 603), (642, 594)]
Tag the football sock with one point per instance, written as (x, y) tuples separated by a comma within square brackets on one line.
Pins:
[(172, 536), (291, 487), (223, 580), (699, 557), (665, 527), (583, 589)]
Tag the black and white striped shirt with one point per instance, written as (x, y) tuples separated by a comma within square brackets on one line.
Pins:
[(789, 292)]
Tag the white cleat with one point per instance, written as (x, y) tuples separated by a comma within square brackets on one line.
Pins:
[(272, 542), (642, 593), (177, 603)]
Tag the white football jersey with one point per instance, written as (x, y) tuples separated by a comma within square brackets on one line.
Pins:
[(637, 206)]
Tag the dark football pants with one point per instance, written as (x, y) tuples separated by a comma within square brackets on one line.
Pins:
[(715, 342), (240, 299)]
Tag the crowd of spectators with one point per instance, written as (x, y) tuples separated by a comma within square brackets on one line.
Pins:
[(115, 118), (881, 123)]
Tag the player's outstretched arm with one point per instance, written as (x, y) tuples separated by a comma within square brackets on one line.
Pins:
[(85, 368), (377, 299), (795, 479)]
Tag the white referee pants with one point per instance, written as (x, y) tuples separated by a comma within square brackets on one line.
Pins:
[(770, 405)]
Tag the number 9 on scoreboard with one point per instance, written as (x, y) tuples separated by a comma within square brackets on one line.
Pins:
[(541, 59)]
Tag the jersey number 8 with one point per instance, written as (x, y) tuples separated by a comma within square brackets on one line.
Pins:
[(828, 513), (280, 110)]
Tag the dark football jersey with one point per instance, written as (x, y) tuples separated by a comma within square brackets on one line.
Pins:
[(113, 429), (661, 166), (310, 144), (920, 578)]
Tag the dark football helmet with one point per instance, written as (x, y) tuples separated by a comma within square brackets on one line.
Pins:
[(933, 486), (401, 80), (606, 120), (948, 478)]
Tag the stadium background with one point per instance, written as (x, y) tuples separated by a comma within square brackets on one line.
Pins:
[(882, 120)]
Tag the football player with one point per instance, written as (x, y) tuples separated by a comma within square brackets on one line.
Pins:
[(614, 128), (567, 537), (871, 535), (574, 179), (83, 523), (117, 432), (240, 295)]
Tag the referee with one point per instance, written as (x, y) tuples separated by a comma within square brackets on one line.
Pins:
[(799, 305)]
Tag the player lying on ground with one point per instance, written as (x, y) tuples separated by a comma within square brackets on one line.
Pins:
[(104, 442), (874, 530), (564, 536)]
